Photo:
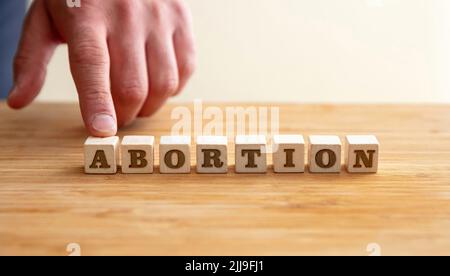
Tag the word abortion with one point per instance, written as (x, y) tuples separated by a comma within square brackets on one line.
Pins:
[(136, 154)]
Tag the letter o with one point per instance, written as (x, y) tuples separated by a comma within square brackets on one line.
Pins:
[(331, 158), (181, 159)]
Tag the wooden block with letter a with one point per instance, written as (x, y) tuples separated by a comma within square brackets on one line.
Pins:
[(288, 154), (101, 155), (212, 154), (324, 154), (361, 154), (251, 154), (175, 154), (137, 154)]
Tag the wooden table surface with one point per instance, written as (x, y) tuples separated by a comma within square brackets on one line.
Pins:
[(47, 202)]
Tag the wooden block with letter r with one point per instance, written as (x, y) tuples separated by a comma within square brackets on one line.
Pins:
[(212, 154), (324, 154), (175, 154), (362, 153), (251, 154), (137, 154), (101, 155)]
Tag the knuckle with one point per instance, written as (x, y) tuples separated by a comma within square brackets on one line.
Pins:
[(83, 30), (126, 8), (21, 61), (166, 86), (25, 59), (158, 11), (86, 50), (23, 64), (99, 98), (188, 67), (180, 10), (131, 95)]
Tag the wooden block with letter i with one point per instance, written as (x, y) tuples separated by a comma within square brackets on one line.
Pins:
[(100, 155), (212, 154), (361, 154), (288, 154), (324, 154), (251, 154), (137, 154), (175, 154)]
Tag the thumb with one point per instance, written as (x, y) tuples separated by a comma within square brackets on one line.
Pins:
[(37, 44)]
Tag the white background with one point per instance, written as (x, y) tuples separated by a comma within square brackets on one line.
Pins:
[(310, 51)]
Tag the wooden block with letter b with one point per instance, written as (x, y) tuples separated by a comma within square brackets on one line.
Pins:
[(175, 154), (324, 154), (288, 154), (251, 154), (212, 154), (361, 153), (137, 154), (101, 155)]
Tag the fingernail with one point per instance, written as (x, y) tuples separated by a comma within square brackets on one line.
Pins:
[(104, 123)]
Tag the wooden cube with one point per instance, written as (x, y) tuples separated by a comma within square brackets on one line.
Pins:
[(212, 154), (324, 154), (251, 154), (101, 155), (362, 153), (137, 154), (288, 154), (175, 154)]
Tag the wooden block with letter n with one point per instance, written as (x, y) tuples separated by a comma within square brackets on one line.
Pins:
[(212, 154), (288, 154), (362, 152), (137, 154), (251, 154), (175, 154), (324, 154), (100, 155)]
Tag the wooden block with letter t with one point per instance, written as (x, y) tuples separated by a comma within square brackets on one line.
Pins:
[(212, 154), (324, 154), (251, 154), (288, 154), (100, 155), (175, 154), (137, 154), (361, 154)]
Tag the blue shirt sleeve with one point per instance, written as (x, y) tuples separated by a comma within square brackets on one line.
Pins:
[(12, 13)]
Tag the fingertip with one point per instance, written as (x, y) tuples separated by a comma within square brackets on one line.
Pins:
[(14, 100)]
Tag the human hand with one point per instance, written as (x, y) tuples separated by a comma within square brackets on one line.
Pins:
[(127, 57)]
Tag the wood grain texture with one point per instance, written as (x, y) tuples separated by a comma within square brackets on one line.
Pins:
[(47, 202)]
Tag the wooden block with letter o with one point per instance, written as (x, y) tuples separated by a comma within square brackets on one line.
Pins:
[(212, 154), (361, 154), (288, 154), (251, 154), (175, 154), (137, 154), (324, 154), (101, 155)]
